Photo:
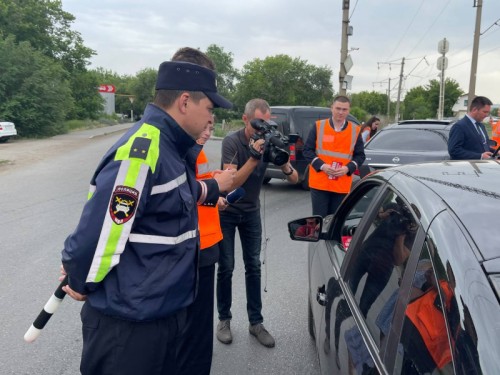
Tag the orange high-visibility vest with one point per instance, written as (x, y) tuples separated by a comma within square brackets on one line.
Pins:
[(495, 132), (430, 323), (332, 146), (208, 217)]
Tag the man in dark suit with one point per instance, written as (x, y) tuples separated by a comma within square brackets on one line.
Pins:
[(468, 137)]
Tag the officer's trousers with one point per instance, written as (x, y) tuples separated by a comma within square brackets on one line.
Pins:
[(114, 346)]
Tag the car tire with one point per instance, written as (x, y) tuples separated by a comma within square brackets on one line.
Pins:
[(266, 180), (4, 139), (310, 319)]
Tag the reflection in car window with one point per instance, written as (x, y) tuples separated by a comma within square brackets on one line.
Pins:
[(350, 218), (408, 140), (425, 345), (379, 263)]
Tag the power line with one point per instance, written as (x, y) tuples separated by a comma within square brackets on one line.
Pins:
[(431, 26), (409, 25)]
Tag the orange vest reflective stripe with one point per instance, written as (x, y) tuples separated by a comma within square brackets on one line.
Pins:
[(332, 146), (430, 323), (208, 217)]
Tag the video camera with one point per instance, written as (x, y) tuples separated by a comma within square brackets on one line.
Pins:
[(275, 142)]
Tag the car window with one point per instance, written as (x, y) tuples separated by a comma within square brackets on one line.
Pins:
[(408, 140), (282, 121), (424, 346), (350, 214), (304, 121), (378, 262)]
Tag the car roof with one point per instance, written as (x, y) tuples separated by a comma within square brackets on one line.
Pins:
[(469, 189), (422, 124), (304, 108)]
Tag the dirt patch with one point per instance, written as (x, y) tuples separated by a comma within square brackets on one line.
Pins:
[(19, 153)]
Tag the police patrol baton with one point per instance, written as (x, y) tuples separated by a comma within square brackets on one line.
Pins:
[(48, 310)]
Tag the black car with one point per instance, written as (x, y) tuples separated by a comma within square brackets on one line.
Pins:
[(405, 277), (297, 120), (410, 141)]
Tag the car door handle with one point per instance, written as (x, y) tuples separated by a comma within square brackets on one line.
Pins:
[(321, 296)]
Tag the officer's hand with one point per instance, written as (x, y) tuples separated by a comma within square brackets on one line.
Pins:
[(70, 292), (222, 203), (225, 179)]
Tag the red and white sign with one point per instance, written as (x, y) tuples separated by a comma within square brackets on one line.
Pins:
[(107, 88)]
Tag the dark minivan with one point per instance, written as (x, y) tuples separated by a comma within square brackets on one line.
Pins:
[(297, 120)]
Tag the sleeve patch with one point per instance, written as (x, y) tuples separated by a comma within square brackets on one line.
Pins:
[(123, 204), (140, 148)]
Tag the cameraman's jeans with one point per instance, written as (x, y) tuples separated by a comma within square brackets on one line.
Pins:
[(250, 231)]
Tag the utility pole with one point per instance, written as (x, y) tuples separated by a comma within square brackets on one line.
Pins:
[(389, 99), (475, 49), (343, 47), (399, 89), (442, 64)]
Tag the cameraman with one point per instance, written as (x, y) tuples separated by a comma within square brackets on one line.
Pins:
[(243, 151)]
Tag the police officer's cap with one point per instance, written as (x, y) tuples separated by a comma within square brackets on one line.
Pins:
[(176, 75)]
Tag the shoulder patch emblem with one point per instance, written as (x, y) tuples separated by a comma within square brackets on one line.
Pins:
[(140, 148), (123, 204)]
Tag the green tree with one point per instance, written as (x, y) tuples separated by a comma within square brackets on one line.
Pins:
[(374, 103), (283, 80), (84, 91), (227, 76), (35, 91), (47, 27), (417, 104), (423, 101), (143, 89), (452, 92)]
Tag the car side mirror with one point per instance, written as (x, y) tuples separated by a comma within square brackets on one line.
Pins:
[(307, 229)]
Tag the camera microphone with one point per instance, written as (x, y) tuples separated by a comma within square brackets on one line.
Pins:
[(235, 195)]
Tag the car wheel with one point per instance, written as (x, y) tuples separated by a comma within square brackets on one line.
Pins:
[(4, 139), (266, 180), (310, 320)]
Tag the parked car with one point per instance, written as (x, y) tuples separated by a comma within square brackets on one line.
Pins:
[(405, 277), (409, 141), (7, 130), (297, 120)]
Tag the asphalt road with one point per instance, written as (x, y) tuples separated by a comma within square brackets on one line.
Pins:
[(44, 185)]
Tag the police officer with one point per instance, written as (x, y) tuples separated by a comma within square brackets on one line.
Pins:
[(134, 253)]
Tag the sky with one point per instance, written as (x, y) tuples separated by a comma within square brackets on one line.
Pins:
[(129, 36)]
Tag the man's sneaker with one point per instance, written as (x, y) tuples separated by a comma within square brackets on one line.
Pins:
[(262, 335), (224, 332)]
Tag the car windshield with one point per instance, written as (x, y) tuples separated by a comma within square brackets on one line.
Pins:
[(408, 140)]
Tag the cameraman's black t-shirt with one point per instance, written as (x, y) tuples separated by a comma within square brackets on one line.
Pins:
[(235, 151)]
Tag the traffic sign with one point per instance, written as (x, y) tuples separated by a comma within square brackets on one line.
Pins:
[(107, 88)]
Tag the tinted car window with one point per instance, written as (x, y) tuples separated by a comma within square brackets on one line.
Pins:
[(282, 121), (425, 344), (305, 120), (379, 263), (408, 140)]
